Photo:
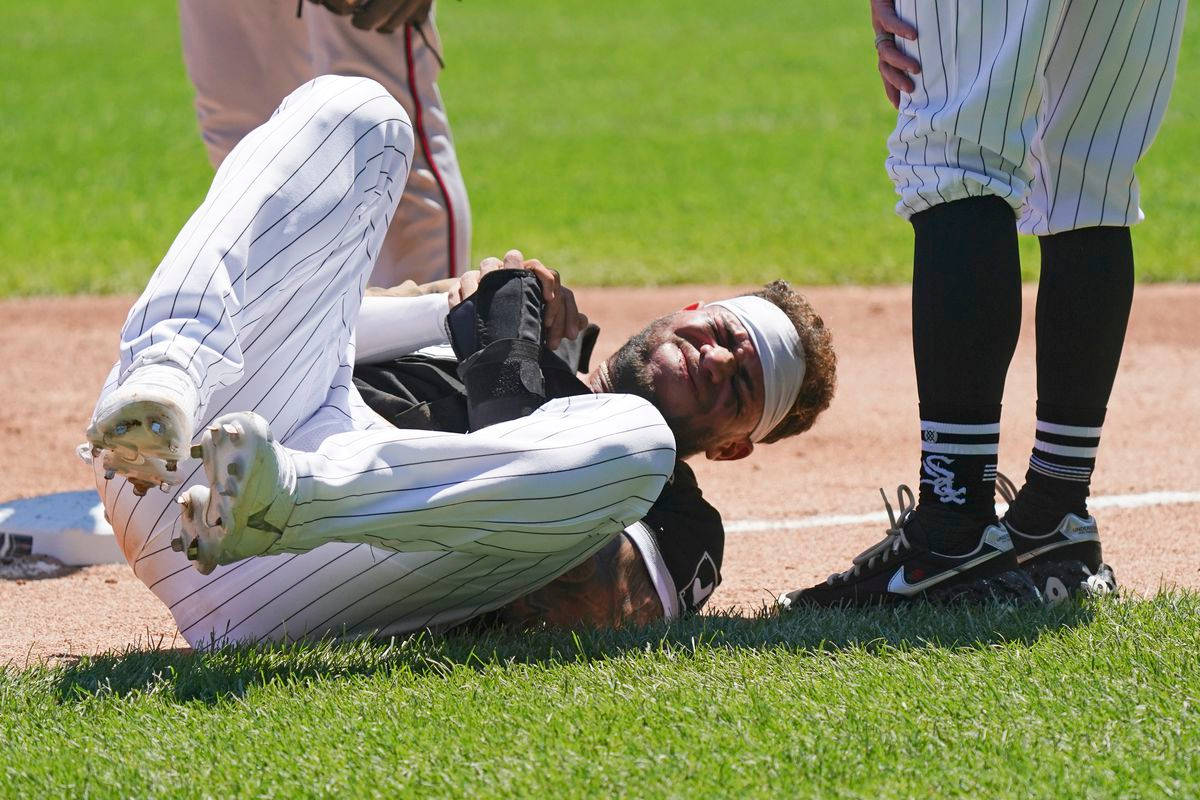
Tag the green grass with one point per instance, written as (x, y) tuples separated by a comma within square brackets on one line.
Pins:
[(1101, 700), (655, 143)]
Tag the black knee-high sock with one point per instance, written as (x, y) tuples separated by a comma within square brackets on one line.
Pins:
[(1083, 304), (966, 320)]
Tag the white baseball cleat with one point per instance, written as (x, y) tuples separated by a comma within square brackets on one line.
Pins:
[(253, 491), (142, 428)]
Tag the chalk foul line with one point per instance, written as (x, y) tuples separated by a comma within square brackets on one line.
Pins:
[(1142, 500)]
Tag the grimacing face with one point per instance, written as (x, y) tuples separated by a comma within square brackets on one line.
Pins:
[(700, 369)]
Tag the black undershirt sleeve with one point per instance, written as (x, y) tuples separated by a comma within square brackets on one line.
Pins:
[(690, 537)]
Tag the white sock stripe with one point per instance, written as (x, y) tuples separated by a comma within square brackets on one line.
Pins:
[(1068, 430), (1064, 450), (1058, 476), (1055, 468), (950, 448), (1066, 469), (1084, 481), (956, 427)]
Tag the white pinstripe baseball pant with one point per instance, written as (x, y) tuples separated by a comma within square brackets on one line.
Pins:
[(1048, 104), (257, 299)]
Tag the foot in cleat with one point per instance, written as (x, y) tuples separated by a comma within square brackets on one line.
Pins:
[(252, 482), (141, 429), (905, 567), (1064, 562)]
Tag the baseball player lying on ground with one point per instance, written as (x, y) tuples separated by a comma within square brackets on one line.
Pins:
[(307, 513)]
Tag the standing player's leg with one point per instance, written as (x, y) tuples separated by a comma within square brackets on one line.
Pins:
[(958, 160), (430, 235), (1107, 84), (242, 58), (966, 309)]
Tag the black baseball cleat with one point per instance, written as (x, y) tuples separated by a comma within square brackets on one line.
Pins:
[(903, 568), (1066, 562)]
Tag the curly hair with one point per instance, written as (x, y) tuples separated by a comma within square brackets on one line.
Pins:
[(820, 362)]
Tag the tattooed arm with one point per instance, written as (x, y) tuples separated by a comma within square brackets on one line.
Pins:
[(609, 590)]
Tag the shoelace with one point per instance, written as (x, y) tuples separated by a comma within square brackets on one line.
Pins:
[(892, 542)]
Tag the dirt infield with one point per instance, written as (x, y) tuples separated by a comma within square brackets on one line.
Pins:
[(780, 503)]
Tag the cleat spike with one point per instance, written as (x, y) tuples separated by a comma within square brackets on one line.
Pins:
[(197, 451), (109, 474), (185, 500), (231, 429), (95, 452), (234, 470), (172, 466), (163, 486), (177, 544), (139, 490)]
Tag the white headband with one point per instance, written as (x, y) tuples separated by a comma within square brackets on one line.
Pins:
[(779, 350)]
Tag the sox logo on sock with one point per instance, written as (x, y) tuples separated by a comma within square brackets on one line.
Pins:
[(941, 478)]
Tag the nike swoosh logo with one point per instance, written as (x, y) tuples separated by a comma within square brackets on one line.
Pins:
[(900, 585)]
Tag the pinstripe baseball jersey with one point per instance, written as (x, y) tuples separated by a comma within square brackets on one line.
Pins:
[(1048, 104), (257, 301)]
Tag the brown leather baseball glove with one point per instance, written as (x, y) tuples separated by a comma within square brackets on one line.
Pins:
[(384, 16)]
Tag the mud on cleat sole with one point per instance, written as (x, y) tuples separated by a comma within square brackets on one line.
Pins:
[(143, 441), (186, 541), (1013, 586), (142, 429), (143, 473), (199, 539)]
